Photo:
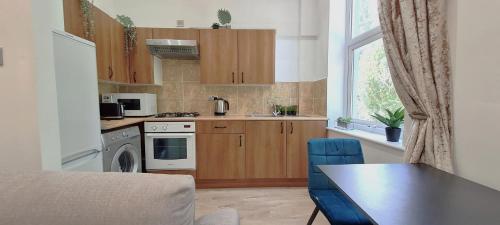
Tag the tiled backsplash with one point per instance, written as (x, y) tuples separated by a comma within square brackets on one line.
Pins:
[(182, 91)]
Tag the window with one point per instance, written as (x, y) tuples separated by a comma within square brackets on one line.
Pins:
[(364, 16), (369, 86)]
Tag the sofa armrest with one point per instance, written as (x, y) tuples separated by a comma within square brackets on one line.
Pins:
[(225, 216)]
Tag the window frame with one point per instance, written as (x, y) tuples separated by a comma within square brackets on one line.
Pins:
[(353, 43)]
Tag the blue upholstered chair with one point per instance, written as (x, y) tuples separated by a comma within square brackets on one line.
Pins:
[(328, 199)]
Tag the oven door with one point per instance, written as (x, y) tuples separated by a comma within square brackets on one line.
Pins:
[(170, 151)]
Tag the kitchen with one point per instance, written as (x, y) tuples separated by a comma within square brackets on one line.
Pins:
[(210, 103), (205, 119)]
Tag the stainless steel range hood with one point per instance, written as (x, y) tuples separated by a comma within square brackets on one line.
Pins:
[(173, 49)]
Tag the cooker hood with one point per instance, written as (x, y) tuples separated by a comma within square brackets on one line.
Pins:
[(173, 49)]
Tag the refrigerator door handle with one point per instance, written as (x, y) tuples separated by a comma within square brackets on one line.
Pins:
[(80, 158)]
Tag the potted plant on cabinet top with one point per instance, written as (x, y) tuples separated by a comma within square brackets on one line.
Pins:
[(393, 121), (344, 122), (224, 18), (130, 32)]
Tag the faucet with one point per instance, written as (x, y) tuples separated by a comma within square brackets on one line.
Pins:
[(275, 111)]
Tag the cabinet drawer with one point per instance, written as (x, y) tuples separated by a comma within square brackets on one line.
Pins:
[(220, 127)]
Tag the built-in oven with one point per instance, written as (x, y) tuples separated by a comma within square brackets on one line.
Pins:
[(135, 104), (170, 145)]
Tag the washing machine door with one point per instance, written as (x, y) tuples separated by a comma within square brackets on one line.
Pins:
[(126, 160)]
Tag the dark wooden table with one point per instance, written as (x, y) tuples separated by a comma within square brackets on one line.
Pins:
[(415, 194)]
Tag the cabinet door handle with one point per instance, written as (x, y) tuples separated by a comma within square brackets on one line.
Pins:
[(282, 127), (233, 77), (291, 125), (241, 141), (242, 77), (110, 72), (135, 77), (217, 127)]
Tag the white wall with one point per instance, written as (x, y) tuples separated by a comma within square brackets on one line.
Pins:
[(47, 16), (475, 44), (297, 23), (29, 122), (323, 9), (336, 60), (20, 147)]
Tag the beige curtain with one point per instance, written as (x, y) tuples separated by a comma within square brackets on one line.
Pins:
[(415, 39)]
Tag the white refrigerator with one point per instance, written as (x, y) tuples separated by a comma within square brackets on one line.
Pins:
[(77, 103)]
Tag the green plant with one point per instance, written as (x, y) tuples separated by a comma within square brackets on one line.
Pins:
[(393, 119), (86, 8), (344, 119), (291, 110), (130, 32), (224, 16), (281, 109)]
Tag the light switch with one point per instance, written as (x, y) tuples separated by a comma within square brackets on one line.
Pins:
[(1, 56)]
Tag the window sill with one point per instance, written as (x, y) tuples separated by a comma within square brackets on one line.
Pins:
[(372, 137)]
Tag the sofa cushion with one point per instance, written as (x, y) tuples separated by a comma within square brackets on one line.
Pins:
[(225, 216), (51, 198)]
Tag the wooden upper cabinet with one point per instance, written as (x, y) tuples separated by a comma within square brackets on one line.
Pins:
[(298, 134), (73, 18), (219, 56), (109, 38), (102, 41), (220, 156), (256, 56), (119, 58), (177, 33), (265, 149), (141, 60)]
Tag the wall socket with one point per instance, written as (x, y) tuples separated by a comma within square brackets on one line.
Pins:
[(1, 56)]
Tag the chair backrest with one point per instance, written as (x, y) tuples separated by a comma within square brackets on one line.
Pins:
[(329, 151)]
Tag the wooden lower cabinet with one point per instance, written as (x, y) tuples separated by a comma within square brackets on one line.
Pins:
[(265, 149), (298, 134), (220, 156), (254, 153)]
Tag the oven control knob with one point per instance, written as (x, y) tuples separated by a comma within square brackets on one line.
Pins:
[(153, 127), (124, 134), (164, 127)]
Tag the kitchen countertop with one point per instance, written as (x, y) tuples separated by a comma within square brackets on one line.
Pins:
[(112, 124)]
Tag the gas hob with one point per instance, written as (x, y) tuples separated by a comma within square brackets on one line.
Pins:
[(177, 114)]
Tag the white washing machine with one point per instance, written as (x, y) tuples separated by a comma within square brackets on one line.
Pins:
[(122, 151)]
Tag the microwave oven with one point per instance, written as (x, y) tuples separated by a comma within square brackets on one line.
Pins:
[(135, 104)]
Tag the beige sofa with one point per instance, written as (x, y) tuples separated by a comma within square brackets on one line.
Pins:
[(51, 198)]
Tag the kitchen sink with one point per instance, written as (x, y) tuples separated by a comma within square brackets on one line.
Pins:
[(262, 115), (268, 115)]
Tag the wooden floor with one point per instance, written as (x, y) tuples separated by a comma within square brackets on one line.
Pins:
[(261, 206)]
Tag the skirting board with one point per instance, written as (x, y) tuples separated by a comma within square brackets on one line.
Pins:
[(247, 183)]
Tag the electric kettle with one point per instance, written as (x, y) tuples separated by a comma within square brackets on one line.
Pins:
[(221, 106)]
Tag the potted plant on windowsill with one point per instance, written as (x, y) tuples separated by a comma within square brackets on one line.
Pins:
[(344, 123), (393, 121)]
